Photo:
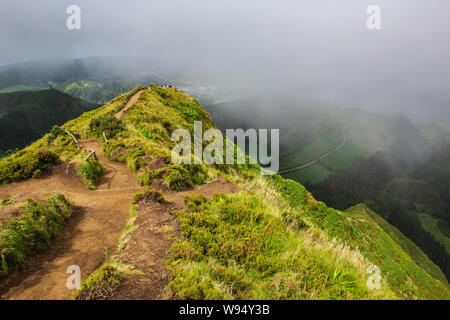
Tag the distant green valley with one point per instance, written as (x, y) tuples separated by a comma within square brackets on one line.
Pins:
[(398, 169)]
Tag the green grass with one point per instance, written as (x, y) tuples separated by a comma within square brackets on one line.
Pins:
[(311, 151), (25, 164), (404, 242), (233, 247), (54, 147), (343, 159), (269, 240), (100, 283), (89, 170), (358, 229), (430, 225), (32, 231), (312, 174)]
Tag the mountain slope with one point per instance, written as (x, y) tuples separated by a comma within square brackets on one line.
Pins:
[(411, 194), (232, 233), (28, 115), (397, 169)]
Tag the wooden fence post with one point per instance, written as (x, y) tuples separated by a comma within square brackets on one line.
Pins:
[(76, 141), (104, 136), (89, 155)]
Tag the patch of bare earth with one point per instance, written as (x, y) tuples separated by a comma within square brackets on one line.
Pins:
[(148, 246), (98, 219), (97, 222)]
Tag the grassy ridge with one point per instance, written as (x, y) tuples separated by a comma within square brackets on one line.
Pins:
[(272, 240), (269, 240), (431, 225), (359, 230), (145, 134), (236, 248), (405, 243)]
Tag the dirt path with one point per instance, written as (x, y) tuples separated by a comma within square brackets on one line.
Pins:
[(148, 246), (96, 224), (122, 113)]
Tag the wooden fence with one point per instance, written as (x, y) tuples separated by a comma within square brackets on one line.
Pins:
[(83, 134)]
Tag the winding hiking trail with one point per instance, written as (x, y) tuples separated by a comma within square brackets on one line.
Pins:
[(319, 158), (96, 224), (123, 112)]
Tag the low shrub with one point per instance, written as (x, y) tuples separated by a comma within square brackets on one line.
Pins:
[(194, 202), (177, 177), (100, 284), (149, 195), (24, 165), (137, 159), (248, 175), (105, 123), (54, 133), (36, 174), (89, 170), (115, 151), (32, 231)]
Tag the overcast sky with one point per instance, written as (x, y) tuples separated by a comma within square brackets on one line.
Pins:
[(317, 47)]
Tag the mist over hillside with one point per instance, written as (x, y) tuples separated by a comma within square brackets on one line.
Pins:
[(322, 50), (364, 125), (212, 231)]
